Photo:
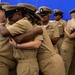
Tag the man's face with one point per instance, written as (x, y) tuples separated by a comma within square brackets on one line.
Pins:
[(2, 16), (15, 17), (57, 18), (46, 18)]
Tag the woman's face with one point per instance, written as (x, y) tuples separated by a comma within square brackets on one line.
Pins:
[(15, 17)]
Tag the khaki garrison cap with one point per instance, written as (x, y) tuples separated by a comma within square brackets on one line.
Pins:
[(28, 6), (57, 12), (72, 11)]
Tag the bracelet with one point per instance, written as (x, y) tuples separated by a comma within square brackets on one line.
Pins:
[(15, 46)]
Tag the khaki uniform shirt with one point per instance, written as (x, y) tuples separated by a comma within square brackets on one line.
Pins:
[(52, 29), (69, 28), (61, 24), (46, 50), (5, 47), (6, 52)]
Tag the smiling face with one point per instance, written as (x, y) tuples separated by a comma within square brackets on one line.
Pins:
[(15, 17), (46, 18), (57, 18)]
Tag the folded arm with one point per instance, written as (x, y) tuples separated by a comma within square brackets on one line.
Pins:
[(71, 36)]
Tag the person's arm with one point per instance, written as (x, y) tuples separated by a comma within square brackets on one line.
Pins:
[(56, 35), (28, 36), (71, 36), (29, 45), (4, 32), (16, 28)]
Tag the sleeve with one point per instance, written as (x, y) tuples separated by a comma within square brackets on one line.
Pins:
[(38, 37), (19, 27), (56, 32), (64, 23)]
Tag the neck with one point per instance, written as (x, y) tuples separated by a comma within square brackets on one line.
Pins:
[(45, 22), (57, 19)]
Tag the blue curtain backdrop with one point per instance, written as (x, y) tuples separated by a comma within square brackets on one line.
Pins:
[(64, 5)]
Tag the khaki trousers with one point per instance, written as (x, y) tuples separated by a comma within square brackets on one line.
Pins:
[(52, 66), (5, 70), (28, 67), (67, 50), (59, 43)]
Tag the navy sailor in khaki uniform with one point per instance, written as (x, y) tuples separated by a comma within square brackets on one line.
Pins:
[(58, 15), (27, 61), (47, 57), (68, 45), (51, 27), (7, 63)]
